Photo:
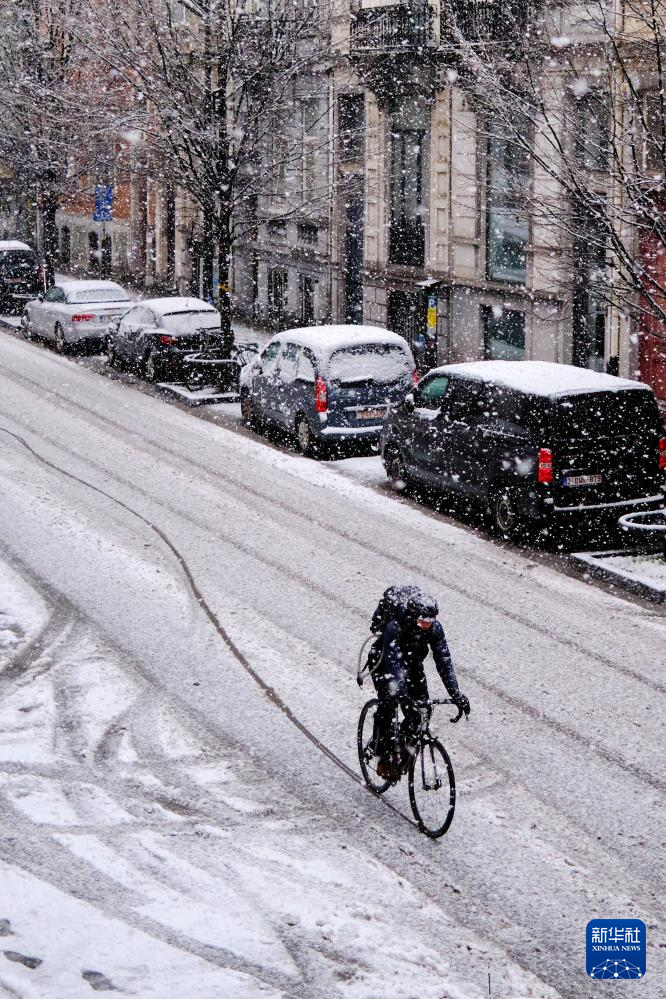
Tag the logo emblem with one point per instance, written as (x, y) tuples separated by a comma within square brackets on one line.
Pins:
[(615, 949)]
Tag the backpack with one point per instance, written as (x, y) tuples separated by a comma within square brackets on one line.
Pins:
[(393, 600)]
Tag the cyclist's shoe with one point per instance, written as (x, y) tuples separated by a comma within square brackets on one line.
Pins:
[(406, 758), (387, 770)]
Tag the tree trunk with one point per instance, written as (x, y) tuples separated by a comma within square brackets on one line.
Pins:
[(170, 225), (224, 259), (49, 233), (208, 254)]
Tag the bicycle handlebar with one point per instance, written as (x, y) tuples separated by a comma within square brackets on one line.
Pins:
[(440, 700)]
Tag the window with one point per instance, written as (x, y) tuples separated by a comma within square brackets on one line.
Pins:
[(368, 363), (289, 362), (310, 135), (589, 292), (306, 299), (191, 322), (306, 368), (107, 294), (591, 120), (179, 12), (307, 233), (279, 155), (430, 392), (143, 317), (54, 295), (507, 222), (407, 235), (269, 358), (654, 151), (277, 231), (503, 334), (351, 126), (277, 295), (131, 318), (466, 400)]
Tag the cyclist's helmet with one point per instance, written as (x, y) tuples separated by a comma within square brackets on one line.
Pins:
[(422, 609)]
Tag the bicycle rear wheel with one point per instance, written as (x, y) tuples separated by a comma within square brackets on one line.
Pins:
[(432, 788), (367, 756)]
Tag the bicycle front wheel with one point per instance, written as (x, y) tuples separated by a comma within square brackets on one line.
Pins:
[(432, 789), (367, 755)]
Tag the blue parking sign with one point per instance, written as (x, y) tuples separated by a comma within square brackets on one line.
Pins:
[(103, 203), (615, 949)]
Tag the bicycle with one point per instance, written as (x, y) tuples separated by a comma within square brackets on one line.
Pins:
[(431, 782), (214, 367)]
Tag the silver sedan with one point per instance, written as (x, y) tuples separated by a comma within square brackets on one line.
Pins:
[(72, 312)]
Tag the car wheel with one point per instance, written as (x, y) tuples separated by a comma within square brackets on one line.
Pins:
[(397, 472), (504, 512), (26, 327), (112, 354), (307, 443), (149, 368), (248, 414), (61, 344)]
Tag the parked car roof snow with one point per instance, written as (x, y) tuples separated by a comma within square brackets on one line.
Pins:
[(171, 306), (325, 340), (544, 378), (74, 287), (13, 244)]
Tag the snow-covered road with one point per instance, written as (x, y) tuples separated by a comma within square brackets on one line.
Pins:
[(168, 828)]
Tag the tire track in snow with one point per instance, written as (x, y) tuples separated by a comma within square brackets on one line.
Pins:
[(562, 728), (269, 692), (267, 498)]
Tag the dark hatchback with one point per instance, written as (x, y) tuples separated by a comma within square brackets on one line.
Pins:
[(20, 275), (156, 335), (534, 442)]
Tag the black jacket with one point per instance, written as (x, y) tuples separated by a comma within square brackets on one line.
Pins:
[(405, 647)]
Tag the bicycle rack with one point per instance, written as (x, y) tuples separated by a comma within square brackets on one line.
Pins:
[(650, 524)]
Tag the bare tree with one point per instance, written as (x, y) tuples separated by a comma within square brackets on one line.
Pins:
[(53, 119), (215, 95), (579, 90)]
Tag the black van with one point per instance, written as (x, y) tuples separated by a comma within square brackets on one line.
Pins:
[(534, 442), (19, 275)]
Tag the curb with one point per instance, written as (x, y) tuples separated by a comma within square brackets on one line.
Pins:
[(591, 563)]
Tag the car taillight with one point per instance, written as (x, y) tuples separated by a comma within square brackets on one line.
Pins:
[(545, 465), (168, 341), (321, 395), (83, 317), (662, 453), (416, 378)]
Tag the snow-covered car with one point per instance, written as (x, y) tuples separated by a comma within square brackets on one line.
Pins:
[(20, 275), (533, 442), (327, 384), (72, 312), (156, 335)]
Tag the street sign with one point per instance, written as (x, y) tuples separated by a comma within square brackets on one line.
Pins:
[(103, 203), (432, 312)]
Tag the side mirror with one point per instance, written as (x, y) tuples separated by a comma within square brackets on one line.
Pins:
[(409, 402), (40, 296)]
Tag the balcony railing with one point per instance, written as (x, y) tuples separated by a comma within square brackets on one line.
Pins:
[(485, 21), (403, 27)]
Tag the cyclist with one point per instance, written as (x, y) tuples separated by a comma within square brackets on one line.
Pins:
[(396, 661)]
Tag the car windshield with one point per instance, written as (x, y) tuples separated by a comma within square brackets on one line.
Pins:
[(17, 260), (190, 322), (604, 414), (98, 295), (369, 362)]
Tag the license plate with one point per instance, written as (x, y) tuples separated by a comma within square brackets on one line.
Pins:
[(582, 480), (371, 414)]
